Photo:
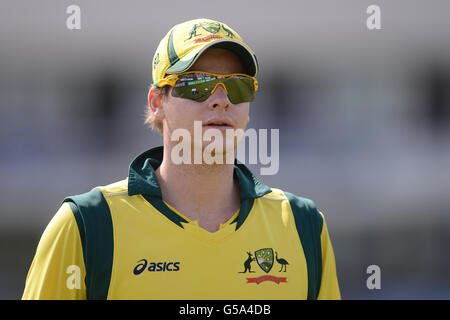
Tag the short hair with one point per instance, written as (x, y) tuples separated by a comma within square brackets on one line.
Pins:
[(150, 119)]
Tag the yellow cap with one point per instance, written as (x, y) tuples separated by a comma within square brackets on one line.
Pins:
[(185, 42)]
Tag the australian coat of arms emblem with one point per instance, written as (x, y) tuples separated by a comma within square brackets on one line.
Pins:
[(265, 259)]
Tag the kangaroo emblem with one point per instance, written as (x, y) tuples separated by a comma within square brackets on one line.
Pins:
[(193, 32), (247, 264)]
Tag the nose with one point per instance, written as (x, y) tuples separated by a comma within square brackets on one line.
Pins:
[(219, 98)]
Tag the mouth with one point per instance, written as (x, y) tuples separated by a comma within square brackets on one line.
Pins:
[(219, 124)]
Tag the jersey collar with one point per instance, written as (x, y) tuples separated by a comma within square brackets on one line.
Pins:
[(142, 177)]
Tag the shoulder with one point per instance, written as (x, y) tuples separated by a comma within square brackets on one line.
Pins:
[(303, 209), (91, 208), (97, 195), (301, 203), (63, 222), (295, 200), (116, 188), (275, 194)]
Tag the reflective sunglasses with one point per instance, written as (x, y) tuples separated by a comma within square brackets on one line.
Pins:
[(198, 86)]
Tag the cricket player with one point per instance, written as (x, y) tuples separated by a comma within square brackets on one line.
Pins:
[(190, 229)]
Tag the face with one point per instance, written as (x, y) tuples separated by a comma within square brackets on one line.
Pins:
[(179, 113)]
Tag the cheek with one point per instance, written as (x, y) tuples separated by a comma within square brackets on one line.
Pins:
[(181, 113), (243, 114)]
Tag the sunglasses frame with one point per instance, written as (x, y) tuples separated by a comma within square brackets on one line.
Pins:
[(172, 79)]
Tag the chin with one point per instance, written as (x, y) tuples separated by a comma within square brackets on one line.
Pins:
[(218, 152)]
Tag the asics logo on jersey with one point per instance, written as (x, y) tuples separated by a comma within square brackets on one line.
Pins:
[(155, 266)]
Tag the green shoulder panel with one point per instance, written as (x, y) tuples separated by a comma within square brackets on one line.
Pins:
[(309, 223), (94, 222)]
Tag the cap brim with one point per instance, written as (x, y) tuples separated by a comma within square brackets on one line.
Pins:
[(247, 57)]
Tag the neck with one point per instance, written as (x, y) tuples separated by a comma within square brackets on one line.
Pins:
[(201, 192)]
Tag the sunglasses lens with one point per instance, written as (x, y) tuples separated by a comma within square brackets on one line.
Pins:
[(198, 87), (240, 89)]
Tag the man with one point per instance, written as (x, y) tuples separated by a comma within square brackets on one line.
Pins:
[(191, 229)]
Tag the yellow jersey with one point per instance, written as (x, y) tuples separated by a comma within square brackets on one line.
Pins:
[(122, 241)]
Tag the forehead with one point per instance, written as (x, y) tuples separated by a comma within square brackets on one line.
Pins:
[(218, 60)]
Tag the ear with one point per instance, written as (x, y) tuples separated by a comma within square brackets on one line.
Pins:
[(155, 103)]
